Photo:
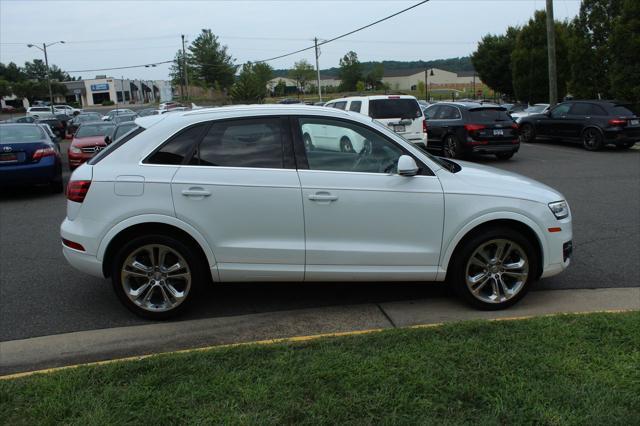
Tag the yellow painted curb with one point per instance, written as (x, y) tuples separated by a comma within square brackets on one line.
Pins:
[(288, 340)]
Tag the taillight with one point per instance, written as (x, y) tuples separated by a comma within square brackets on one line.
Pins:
[(474, 127), (73, 245), (424, 126), (617, 122), (77, 190), (514, 126), (44, 152)]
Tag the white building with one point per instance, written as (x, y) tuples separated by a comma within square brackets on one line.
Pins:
[(118, 90)]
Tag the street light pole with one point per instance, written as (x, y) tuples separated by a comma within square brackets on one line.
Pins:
[(46, 62)]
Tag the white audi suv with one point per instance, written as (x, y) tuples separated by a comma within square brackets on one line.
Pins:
[(235, 194)]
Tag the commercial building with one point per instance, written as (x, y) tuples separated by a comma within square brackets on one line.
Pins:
[(101, 89)]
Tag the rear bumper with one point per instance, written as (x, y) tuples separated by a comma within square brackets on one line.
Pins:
[(622, 136), (44, 171), (494, 149), (84, 262)]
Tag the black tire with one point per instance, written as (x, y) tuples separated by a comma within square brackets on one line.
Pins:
[(308, 143), (504, 155), (346, 145), (527, 133), (451, 147), (592, 139), (457, 275), (194, 265)]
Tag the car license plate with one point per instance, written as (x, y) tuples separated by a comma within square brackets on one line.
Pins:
[(498, 132), (13, 157), (398, 129), (634, 122)]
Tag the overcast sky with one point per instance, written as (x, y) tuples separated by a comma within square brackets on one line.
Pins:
[(103, 34)]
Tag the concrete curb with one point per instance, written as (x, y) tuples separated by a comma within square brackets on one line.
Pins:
[(99, 346)]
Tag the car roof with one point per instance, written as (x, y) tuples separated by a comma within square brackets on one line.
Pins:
[(371, 98), (471, 105), (238, 111)]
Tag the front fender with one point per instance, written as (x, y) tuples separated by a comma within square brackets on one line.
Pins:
[(488, 217)]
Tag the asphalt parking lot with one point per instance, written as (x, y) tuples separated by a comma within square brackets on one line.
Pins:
[(40, 294)]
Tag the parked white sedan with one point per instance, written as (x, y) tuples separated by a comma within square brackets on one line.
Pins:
[(234, 194)]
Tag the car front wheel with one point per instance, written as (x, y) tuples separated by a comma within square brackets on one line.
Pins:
[(155, 276), (494, 269)]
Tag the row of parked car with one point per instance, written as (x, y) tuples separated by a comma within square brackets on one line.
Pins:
[(459, 129)]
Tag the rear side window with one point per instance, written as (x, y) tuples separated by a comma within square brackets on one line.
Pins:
[(394, 108), (242, 143), (355, 106), (432, 112), (340, 105), (586, 109), (488, 115), (178, 147)]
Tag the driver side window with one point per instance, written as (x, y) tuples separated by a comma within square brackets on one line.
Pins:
[(343, 146)]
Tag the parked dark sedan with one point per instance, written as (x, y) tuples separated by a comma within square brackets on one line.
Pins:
[(592, 123), (58, 127), (28, 157), (461, 128)]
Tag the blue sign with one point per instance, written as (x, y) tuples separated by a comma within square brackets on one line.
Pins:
[(102, 86)]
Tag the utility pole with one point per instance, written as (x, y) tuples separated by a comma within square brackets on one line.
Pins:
[(426, 79), (46, 62), (318, 68), (184, 67), (551, 49)]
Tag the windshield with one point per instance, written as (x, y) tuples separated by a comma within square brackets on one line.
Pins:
[(98, 129), (394, 108), (536, 108), (20, 134), (115, 145), (488, 115)]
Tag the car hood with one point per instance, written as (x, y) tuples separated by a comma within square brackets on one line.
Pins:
[(484, 180), (88, 141)]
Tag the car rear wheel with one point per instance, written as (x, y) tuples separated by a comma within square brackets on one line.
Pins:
[(592, 139), (155, 276), (346, 145), (451, 147), (528, 133), (494, 268)]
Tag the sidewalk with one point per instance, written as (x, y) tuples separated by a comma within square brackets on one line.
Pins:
[(98, 345)]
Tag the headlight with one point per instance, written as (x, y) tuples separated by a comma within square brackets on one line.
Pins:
[(560, 209), (75, 150)]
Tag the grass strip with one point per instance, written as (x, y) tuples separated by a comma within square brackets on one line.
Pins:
[(569, 369)]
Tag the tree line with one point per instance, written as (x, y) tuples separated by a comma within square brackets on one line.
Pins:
[(30, 81), (597, 55)]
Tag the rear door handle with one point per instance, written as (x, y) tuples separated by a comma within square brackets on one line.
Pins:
[(196, 192), (323, 196)]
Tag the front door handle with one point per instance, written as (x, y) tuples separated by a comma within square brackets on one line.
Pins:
[(323, 196), (196, 192)]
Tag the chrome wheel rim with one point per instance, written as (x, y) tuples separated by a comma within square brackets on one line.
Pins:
[(450, 148), (156, 278), (497, 271)]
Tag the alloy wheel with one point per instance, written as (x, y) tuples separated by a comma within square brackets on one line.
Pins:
[(497, 271), (450, 147), (591, 139), (156, 278)]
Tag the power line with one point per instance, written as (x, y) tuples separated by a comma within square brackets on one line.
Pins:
[(153, 64), (345, 34)]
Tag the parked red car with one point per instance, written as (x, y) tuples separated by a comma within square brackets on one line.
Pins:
[(88, 139)]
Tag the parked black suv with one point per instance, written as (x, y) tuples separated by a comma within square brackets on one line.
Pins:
[(592, 123), (461, 128)]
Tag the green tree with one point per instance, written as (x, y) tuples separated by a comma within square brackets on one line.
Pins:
[(251, 84), (421, 90), (264, 73), (302, 72), (5, 88), (211, 63), (529, 60), (31, 89), (11, 72), (35, 70), (492, 60), (374, 77), (350, 71), (590, 55), (625, 45), (280, 88), (360, 86)]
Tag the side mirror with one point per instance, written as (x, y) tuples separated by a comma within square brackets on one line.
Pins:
[(407, 166), (107, 140)]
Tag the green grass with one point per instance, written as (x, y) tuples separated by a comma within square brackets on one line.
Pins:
[(573, 369)]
